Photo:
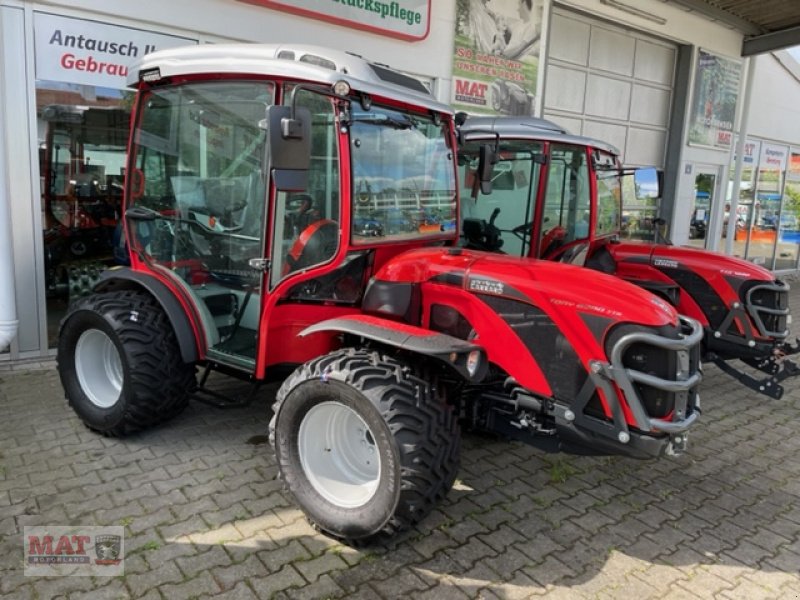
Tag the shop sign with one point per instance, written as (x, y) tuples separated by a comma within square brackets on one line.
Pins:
[(750, 149), (403, 19), (716, 88), (496, 57), (773, 158), (91, 53), (793, 172)]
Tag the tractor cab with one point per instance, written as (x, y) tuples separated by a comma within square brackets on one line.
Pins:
[(559, 197), (266, 202)]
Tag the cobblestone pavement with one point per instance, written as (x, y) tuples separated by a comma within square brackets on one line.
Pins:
[(205, 516)]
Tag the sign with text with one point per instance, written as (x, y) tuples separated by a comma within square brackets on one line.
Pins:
[(496, 56), (404, 19), (92, 53), (716, 88), (80, 550), (773, 157)]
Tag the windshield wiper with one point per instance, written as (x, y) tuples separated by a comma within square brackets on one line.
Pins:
[(381, 119)]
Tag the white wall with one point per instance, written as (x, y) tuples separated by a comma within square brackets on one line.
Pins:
[(775, 104), (681, 26)]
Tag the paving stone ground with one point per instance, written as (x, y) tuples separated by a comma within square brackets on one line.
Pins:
[(205, 516)]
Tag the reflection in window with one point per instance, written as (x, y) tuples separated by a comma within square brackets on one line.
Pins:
[(609, 194), (82, 133), (199, 152), (403, 178)]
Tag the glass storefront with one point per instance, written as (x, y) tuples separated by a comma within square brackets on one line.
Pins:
[(768, 212), (82, 134)]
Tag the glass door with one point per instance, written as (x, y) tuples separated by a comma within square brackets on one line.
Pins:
[(704, 185)]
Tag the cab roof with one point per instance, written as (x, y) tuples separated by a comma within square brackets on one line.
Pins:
[(314, 64), (525, 128)]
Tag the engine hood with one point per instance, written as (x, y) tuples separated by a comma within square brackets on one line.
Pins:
[(553, 287), (714, 264)]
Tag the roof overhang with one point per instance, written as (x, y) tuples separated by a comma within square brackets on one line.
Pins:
[(767, 25)]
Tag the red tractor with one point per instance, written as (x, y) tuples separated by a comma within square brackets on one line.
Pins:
[(253, 173), (559, 197)]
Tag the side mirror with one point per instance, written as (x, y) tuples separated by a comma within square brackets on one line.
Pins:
[(649, 182), (487, 157), (289, 146)]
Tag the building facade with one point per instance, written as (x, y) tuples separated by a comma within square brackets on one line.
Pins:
[(639, 79)]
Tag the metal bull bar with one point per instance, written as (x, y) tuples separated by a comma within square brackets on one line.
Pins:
[(756, 311), (685, 380), (775, 363), (616, 372)]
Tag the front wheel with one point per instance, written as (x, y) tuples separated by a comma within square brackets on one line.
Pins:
[(366, 446), (120, 364)]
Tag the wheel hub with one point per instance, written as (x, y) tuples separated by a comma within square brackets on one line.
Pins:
[(338, 454), (99, 368)]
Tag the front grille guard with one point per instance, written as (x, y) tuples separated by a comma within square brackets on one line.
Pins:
[(686, 378), (755, 311)]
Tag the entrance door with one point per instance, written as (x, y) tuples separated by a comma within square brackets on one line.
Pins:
[(702, 207)]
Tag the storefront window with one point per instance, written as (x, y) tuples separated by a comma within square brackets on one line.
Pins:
[(83, 109), (762, 219), (789, 223), (752, 150), (82, 132)]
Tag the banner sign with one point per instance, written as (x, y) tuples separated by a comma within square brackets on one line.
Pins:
[(496, 56), (773, 157), (716, 88), (403, 19), (92, 53)]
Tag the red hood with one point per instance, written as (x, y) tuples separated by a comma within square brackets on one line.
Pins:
[(553, 287), (710, 264)]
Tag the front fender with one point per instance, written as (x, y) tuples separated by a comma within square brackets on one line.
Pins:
[(120, 278), (454, 352)]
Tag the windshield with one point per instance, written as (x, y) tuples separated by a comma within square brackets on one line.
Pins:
[(510, 207), (403, 178)]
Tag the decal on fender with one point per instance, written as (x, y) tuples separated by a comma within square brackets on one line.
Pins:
[(486, 286), (666, 262)]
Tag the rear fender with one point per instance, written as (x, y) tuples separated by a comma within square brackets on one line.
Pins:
[(450, 350), (121, 278)]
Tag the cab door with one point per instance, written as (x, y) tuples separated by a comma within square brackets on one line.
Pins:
[(197, 205)]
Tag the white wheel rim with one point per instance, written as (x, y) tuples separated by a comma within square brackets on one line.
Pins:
[(99, 368), (339, 455)]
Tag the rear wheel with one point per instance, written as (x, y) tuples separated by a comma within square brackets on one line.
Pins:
[(366, 446), (120, 363)]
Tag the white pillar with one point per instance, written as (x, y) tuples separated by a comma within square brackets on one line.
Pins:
[(8, 306)]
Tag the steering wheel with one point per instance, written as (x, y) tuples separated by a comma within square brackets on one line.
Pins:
[(315, 244)]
